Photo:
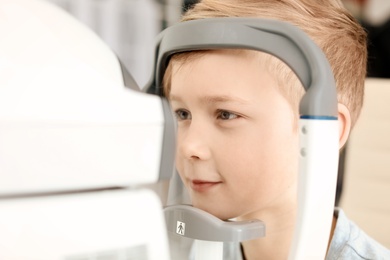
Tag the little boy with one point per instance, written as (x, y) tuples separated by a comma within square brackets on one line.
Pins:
[(235, 157)]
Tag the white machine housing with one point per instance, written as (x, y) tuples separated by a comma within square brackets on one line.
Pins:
[(65, 116), (75, 142)]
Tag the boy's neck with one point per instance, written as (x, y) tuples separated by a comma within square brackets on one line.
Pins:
[(279, 218), (277, 242)]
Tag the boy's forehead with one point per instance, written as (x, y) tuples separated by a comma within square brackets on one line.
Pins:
[(185, 64), (188, 57), (221, 76), (211, 64), (213, 98)]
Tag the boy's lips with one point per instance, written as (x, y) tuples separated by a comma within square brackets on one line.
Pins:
[(203, 185)]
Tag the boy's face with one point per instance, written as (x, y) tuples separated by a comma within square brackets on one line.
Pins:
[(237, 149)]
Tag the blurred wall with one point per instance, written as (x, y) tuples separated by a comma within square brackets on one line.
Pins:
[(129, 27)]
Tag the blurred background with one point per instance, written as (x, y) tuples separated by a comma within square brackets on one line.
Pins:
[(130, 26), (374, 15)]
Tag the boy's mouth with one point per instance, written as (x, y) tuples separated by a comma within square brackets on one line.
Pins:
[(203, 186)]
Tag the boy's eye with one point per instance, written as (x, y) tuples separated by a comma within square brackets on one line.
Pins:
[(182, 114), (226, 115)]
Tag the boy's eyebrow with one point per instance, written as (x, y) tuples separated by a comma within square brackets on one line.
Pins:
[(210, 99)]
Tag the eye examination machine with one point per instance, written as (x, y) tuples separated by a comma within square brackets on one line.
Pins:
[(318, 134), (78, 140)]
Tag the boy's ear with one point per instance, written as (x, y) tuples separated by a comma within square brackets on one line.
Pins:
[(344, 124)]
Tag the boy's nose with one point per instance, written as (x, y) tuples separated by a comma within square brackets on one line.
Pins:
[(193, 143)]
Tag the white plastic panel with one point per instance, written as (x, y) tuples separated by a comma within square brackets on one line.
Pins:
[(47, 158), (103, 225), (316, 188)]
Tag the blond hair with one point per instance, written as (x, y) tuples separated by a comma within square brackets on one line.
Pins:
[(327, 23)]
